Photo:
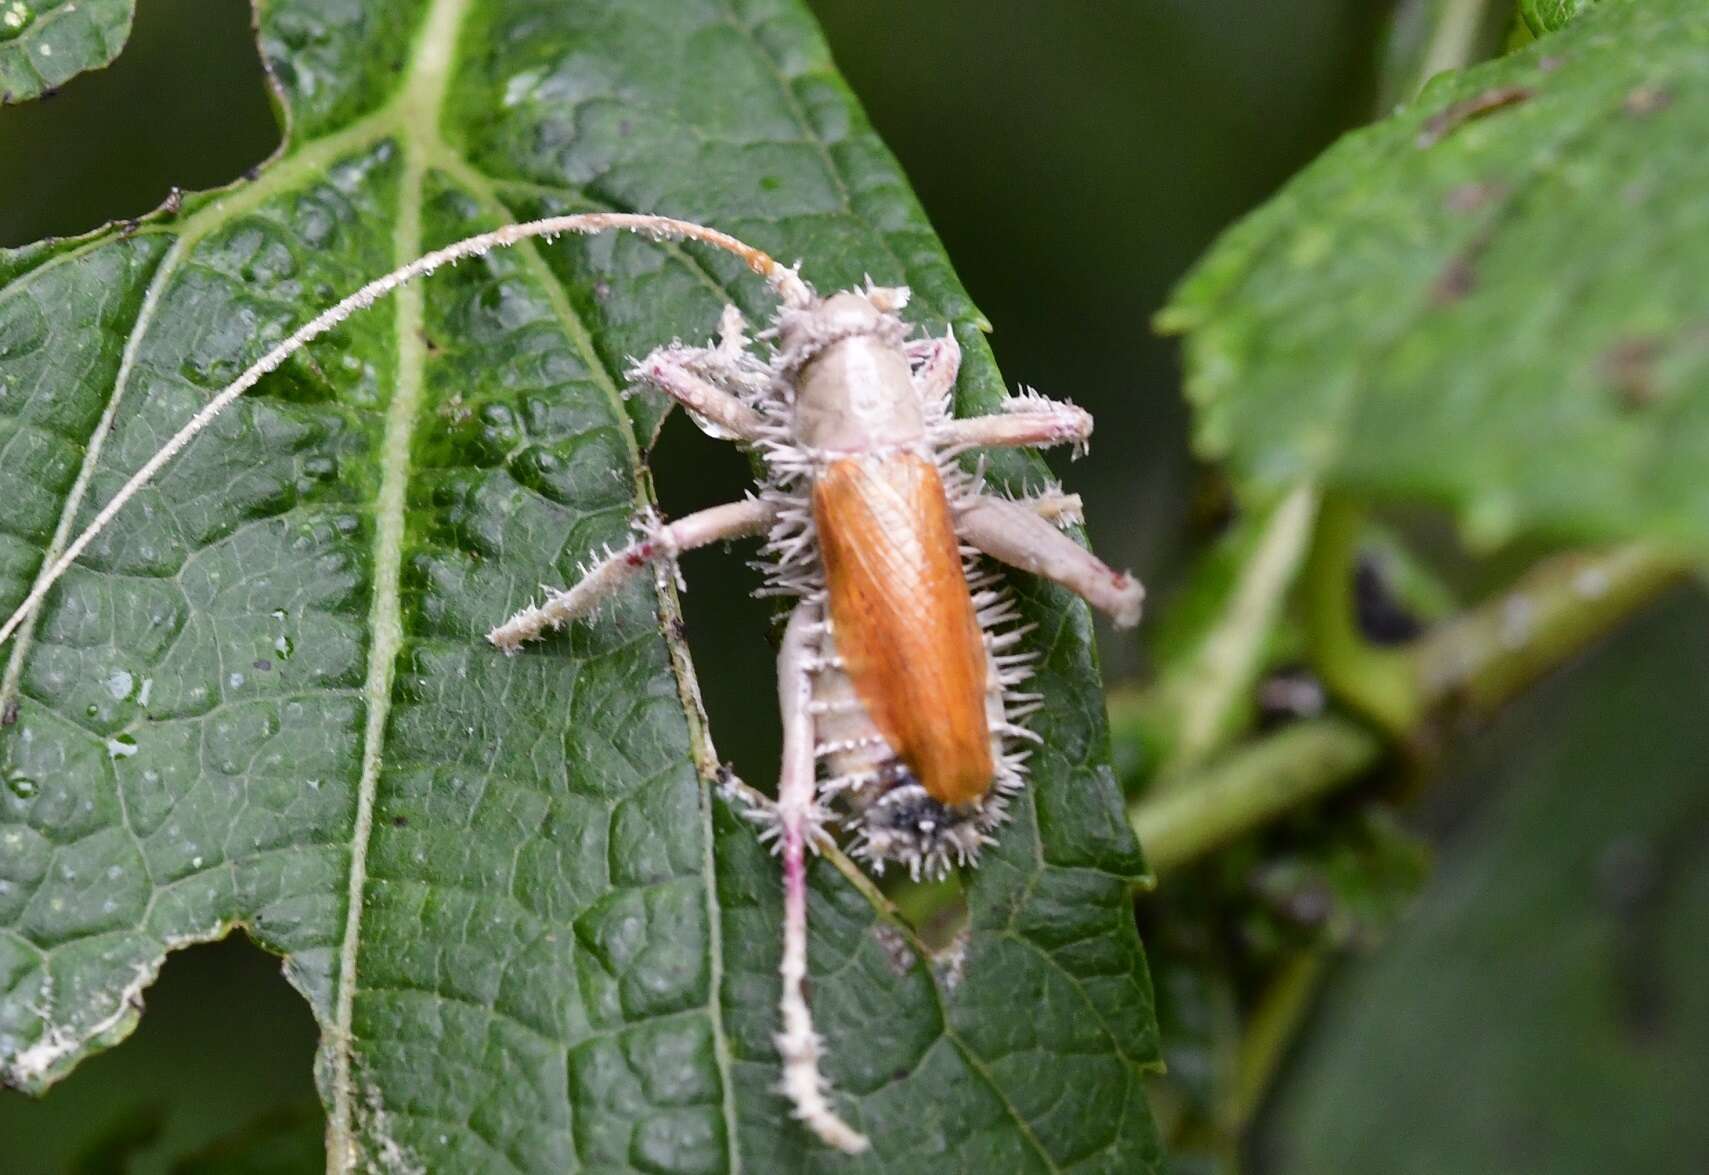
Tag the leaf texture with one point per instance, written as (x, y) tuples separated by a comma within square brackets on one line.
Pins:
[(1492, 299), (46, 43), (533, 936)]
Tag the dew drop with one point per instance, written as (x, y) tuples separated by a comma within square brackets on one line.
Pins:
[(119, 684), (121, 746), (22, 786), (282, 645), (235, 680)]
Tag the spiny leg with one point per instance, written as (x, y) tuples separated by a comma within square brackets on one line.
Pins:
[(937, 360), (798, 820), (1020, 422), (733, 520), (1018, 534), (699, 378)]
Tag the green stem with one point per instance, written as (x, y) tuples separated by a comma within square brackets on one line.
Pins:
[(1205, 696), (1270, 1030), (1454, 41), (1474, 664), (1250, 787), (1378, 683), (1479, 660)]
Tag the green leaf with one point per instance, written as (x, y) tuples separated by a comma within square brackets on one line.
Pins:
[(532, 936), (1492, 300), (46, 43), (1545, 16)]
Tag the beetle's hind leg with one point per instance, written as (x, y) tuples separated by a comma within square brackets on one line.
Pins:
[(1021, 535), (799, 819), (656, 541)]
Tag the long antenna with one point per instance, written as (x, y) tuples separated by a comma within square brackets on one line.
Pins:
[(782, 279)]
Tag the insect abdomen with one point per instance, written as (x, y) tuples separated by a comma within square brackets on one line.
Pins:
[(903, 618)]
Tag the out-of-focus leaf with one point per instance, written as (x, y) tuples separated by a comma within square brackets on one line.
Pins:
[(1546, 1005), (1493, 299), (46, 43), (1346, 888), (263, 697)]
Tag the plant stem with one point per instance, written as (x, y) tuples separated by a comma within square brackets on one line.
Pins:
[(1474, 663), (1378, 683), (1250, 787), (1454, 40), (1481, 659), (1205, 696), (1269, 1031)]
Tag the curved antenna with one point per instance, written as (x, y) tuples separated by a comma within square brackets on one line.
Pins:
[(783, 280)]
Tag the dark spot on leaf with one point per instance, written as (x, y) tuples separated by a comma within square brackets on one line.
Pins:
[(49, 93), (1647, 100), (1441, 125), (432, 347), (264, 665), (174, 201), (1471, 197), (9, 716), (252, 173), (601, 290), (625, 128), (400, 821), (1629, 366)]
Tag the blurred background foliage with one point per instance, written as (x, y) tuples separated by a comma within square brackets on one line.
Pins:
[(1504, 972)]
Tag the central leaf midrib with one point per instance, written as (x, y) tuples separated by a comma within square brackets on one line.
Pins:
[(485, 191), (416, 110)]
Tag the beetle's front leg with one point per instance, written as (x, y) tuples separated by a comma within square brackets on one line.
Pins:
[(701, 379), (799, 818), (936, 361), (734, 520), (1023, 537)]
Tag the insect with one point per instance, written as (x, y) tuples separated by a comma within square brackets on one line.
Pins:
[(898, 675)]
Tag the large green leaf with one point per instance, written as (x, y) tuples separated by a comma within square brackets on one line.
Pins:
[(1494, 299), (46, 43), (532, 936)]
